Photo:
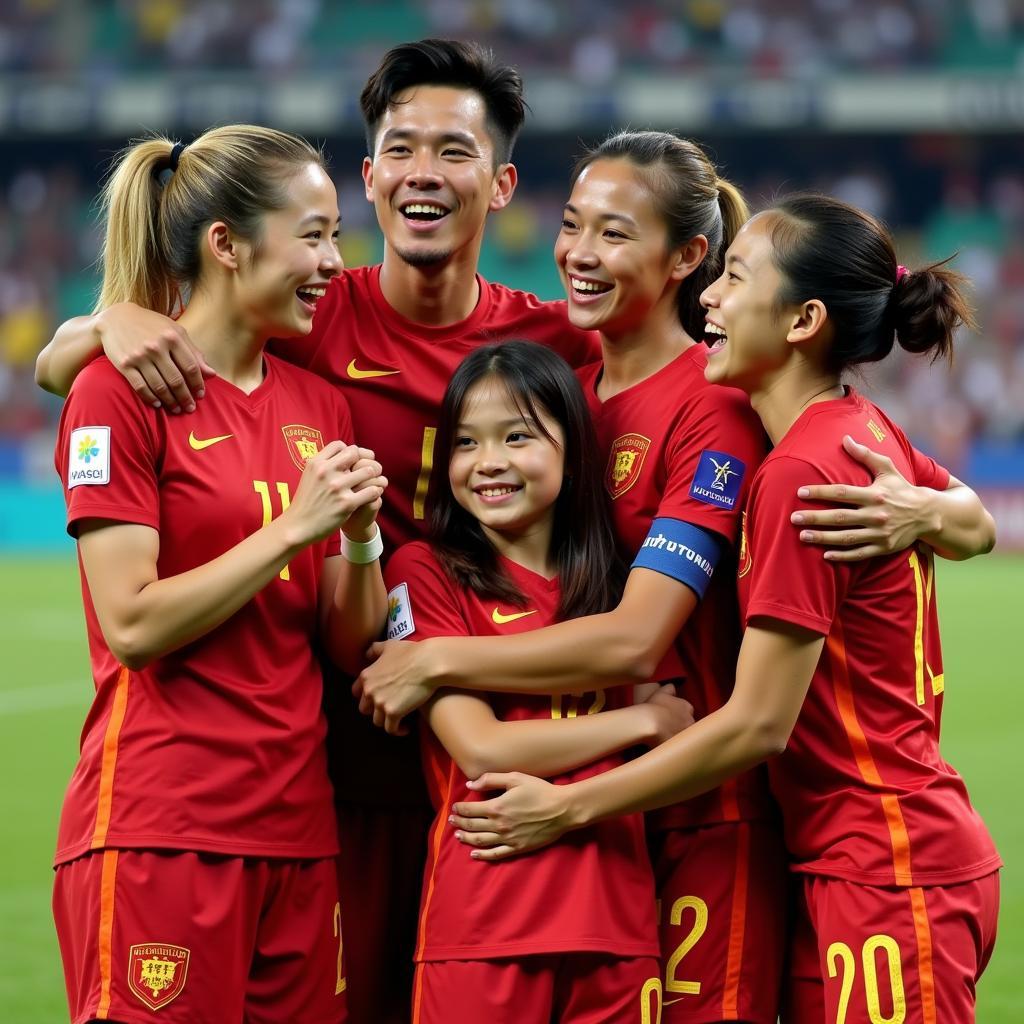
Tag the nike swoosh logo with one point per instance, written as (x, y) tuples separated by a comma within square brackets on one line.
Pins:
[(501, 619), (356, 374), (669, 1002), (198, 445)]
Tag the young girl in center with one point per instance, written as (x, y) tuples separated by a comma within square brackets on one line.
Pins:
[(521, 538)]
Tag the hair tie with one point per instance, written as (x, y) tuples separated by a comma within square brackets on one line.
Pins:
[(175, 156), (901, 272)]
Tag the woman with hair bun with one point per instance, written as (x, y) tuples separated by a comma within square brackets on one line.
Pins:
[(840, 680), (197, 842)]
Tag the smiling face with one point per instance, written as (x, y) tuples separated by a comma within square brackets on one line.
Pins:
[(612, 251), (503, 470), (432, 178), (281, 279), (747, 327)]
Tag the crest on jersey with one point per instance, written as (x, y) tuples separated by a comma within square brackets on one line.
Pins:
[(625, 461), (157, 972), (745, 561), (303, 443)]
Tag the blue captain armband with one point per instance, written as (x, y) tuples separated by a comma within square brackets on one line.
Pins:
[(681, 550)]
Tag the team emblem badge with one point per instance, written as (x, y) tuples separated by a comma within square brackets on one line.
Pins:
[(303, 443), (625, 461), (157, 972), (745, 561)]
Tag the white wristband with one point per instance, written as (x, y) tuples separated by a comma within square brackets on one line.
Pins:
[(362, 552)]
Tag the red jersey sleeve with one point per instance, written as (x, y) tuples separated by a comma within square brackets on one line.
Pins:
[(108, 451), (711, 460), (422, 598), (789, 580)]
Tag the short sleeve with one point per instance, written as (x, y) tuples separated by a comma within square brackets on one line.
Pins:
[(789, 580), (927, 472), (422, 598), (711, 459), (108, 451)]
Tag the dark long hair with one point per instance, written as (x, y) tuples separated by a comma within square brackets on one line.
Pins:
[(828, 250), (538, 381), (690, 198)]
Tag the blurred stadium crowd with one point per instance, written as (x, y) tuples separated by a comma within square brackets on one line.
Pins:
[(594, 39), (941, 193)]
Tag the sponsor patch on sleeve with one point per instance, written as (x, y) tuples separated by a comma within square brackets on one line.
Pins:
[(718, 479), (400, 620), (89, 456)]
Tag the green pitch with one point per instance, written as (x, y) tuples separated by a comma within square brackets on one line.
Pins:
[(45, 690)]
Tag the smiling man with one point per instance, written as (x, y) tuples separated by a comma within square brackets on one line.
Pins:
[(441, 120)]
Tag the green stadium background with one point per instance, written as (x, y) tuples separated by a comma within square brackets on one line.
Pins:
[(912, 109)]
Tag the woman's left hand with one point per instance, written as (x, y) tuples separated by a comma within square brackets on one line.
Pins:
[(529, 814), (393, 684), (888, 515)]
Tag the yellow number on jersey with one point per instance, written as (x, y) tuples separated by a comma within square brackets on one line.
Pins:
[(262, 488), (419, 499), (924, 581), (700, 926), (840, 954), (571, 703)]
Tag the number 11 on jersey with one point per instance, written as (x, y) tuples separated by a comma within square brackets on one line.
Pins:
[(262, 488)]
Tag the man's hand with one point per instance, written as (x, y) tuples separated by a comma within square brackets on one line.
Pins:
[(888, 515), (155, 355)]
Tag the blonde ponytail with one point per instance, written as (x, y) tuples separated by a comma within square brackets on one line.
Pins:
[(134, 268), (156, 213)]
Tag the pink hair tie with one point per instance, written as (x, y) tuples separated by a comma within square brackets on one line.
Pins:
[(901, 272)]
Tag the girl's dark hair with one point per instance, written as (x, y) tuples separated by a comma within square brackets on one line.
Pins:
[(828, 250), (538, 381), (454, 63), (690, 198)]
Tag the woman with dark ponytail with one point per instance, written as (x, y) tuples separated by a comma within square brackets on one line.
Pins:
[(840, 680)]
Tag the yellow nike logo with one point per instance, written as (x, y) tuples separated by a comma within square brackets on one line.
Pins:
[(356, 374), (198, 445), (501, 619)]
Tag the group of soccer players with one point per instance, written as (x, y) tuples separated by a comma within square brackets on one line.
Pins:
[(196, 861)]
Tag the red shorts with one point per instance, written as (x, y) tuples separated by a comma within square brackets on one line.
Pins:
[(861, 952), (202, 939), (571, 988), (380, 876), (722, 921)]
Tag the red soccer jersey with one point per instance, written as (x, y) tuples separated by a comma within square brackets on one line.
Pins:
[(657, 436), (865, 793), (592, 891), (394, 372), (217, 746)]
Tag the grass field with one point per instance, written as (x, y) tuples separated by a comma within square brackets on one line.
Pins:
[(45, 691)]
